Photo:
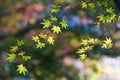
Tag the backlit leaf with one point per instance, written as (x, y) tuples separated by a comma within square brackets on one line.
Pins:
[(21, 69), (56, 29)]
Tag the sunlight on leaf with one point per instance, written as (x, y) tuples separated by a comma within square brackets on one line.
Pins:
[(35, 38), (20, 42), (56, 29), (55, 8), (21, 69), (53, 18), (64, 24), (83, 57), (42, 35), (11, 57), (84, 42), (26, 58), (21, 53), (13, 48), (46, 23), (50, 40), (40, 45), (107, 43), (84, 5)]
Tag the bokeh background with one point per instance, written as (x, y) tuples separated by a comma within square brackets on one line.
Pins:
[(20, 19)]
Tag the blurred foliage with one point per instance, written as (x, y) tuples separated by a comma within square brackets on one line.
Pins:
[(35, 32)]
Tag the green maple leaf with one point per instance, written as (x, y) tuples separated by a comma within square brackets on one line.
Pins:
[(42, 35), (83, 57), (107, 43), (55, 8), (84, 5), (26, 57), (20, 42), (35, 38), (64, 24), (11, 57), (91, 5), (80, 51), (13, 48), (56, 29), (46, 23), (21, 69), (21, 53), (50, 40), (53, 18), (108, 40), (110, 10), (84, 42), (101, 18), (40, 45)]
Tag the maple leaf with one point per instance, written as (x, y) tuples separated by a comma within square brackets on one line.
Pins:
[(107, 43), (88, 48), (80, 51), (40, 45), (11, 57), (20, 42), (84, 4), (110, 10), (21, 53), (97, 24), (26, 57), (46, 23), (64, 24), (50, 40), (56, 29), (91, 5), (53, 18), (13, 48), (83, 57), (108, 40), (55, 8), (42, 35), (21, 69), (101, 18), (84, 42), (91, 40), (35, 38)]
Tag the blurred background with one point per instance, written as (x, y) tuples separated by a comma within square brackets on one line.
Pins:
[(20, 19)]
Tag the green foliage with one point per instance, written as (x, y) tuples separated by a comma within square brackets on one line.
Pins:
[(35, 38), (13, 48), (89, 43), (64, 24), (42, 35), (55, 25), (107, 43), (107, 18), (20, 42), (50, 40), (40, 45), (83, 57), (11, 57), (55, 8), (46, 23), (26, 58), (56, 29), (21, 69), (106, 14), (53, 18), (21, 53), (84, 4), (110, 16), (17, 54)]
